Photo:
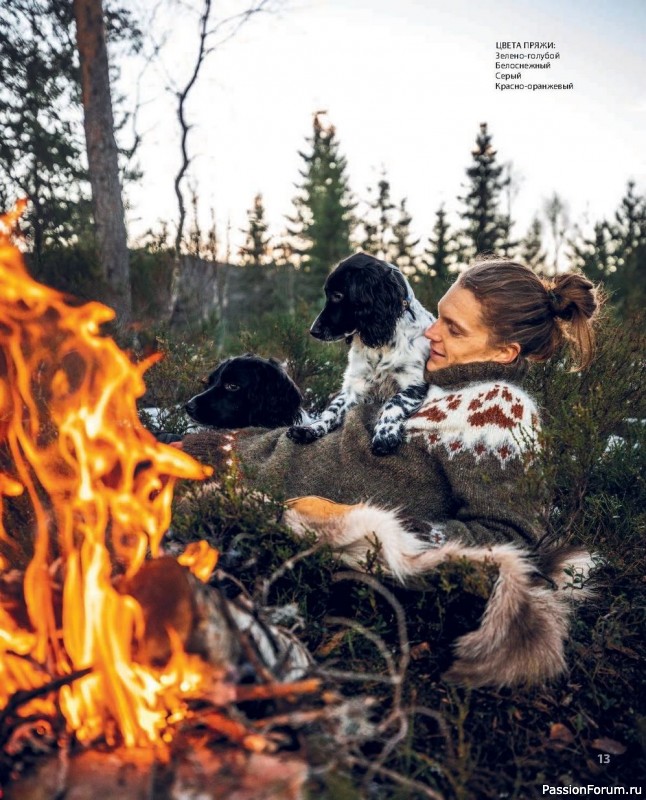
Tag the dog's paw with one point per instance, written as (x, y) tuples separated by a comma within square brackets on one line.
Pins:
[(302, 434), (385, 444)]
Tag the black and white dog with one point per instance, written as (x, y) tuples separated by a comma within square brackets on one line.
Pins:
[(372, 304), (248, 391)]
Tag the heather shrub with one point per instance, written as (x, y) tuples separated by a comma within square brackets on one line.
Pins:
[(316, 367)]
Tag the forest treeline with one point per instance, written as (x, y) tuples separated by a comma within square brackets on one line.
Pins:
[(45, 136)]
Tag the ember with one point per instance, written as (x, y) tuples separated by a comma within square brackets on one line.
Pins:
[(100, 489)]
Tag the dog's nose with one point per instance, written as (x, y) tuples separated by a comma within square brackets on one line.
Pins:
[(190, 408), (316, 330)]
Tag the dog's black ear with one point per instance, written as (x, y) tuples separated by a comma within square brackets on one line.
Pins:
[(276, 399), (378, 295)]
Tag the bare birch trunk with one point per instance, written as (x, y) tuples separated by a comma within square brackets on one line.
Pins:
[(102, 154)]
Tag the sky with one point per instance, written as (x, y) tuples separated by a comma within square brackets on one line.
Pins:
[(406, 85)]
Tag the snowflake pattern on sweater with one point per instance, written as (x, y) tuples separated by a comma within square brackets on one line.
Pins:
[(485, 419)]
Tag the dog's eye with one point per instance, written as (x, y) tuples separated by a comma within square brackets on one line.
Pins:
[(336, 297), (231, 387)]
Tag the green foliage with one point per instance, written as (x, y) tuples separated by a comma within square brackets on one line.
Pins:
[(254, 547), (255, 251), (261, 278), (435, 272), (486, 229), (40, 146), (151, 271), (377, 223), (402, 251), (315, 366), (616, 253), (581, 410), (531, 247), (72, 268), (173, 380), (322, 220)]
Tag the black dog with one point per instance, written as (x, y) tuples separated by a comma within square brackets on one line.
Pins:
[(248, 391), (371, 304)]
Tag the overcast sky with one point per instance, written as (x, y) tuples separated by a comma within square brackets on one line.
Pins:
[(406, 84)]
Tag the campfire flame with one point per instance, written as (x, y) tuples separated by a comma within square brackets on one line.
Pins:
[(100, 488)]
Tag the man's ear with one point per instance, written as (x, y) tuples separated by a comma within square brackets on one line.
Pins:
[(507, 353)]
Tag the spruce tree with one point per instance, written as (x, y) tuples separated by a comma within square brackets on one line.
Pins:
[(434, 273), (556, 213), (378, 225), (629, 226), (629, 234), (402, 251), (322, 221), (256, 250), (616, 255), (259, 273), (594, 256), (41, 145), (486, 229), (531, 246)]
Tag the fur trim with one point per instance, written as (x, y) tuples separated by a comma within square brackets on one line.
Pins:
[(570, 568), (356, 531), (522, 631)]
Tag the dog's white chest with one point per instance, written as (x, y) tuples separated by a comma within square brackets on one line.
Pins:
[(400, 363)]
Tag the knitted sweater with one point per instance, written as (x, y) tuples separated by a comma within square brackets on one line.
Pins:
[(460, 473)]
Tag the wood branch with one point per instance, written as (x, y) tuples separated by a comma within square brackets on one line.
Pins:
[(271, 691), (182, 97), (21, 698), (203, 51)]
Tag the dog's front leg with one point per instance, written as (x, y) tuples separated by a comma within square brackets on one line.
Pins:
[(330, 419), (389, 430)]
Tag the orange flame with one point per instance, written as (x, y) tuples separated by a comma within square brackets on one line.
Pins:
[(100, 487)]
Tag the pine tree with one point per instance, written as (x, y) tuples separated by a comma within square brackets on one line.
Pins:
[(42, 150), (616, 253), (486, 230), (256, 250), (40, 147), (322, 221), (628, 234), (402, 251), (531, 246), (629, 226), (594, 256), (556, 213), (259, 278), (378, 225), (434, 273)]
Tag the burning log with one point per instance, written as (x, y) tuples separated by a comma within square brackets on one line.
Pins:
[(216, 750)]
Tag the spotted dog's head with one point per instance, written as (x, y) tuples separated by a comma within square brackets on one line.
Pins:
[(247, 391), (363, 296)]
